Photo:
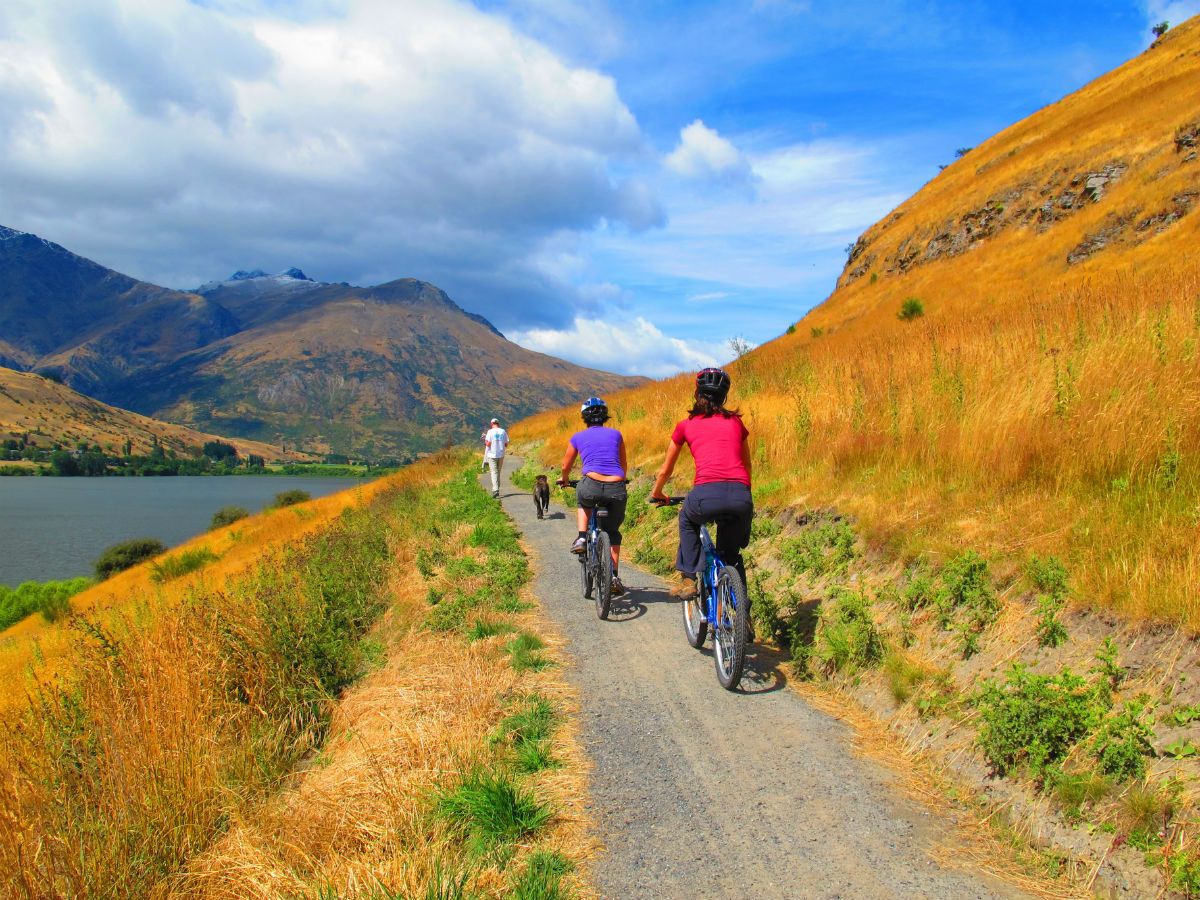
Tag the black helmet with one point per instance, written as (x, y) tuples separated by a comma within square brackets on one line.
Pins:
[(713, 384), (594, 411)]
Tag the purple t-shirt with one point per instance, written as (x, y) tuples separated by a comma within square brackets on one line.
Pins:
[(598, 450)]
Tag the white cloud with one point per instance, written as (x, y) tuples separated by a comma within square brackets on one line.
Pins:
[(362, 140), (633, 346), (703, 153), (1176, 12)]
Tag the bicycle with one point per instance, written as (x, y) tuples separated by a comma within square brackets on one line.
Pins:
[(595, 563), (721, 603)]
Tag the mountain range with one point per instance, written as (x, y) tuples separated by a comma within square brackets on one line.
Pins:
[(386, 371)]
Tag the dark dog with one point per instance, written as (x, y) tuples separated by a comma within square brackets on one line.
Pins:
[(541, 495)]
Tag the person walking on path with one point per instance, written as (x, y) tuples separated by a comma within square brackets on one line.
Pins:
[(602, 453), (495, 442), (721, 492)]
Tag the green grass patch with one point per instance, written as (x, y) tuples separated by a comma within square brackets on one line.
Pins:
[(492, 812), (171, 567), (542, 877), (525, 650), (527, 732), (483, 628)]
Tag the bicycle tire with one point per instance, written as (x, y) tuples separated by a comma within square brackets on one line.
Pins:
[(603, 575), (695, 621), (730, 632), (585, 574)]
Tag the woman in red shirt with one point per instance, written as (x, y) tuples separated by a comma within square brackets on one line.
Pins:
[(721, 492)]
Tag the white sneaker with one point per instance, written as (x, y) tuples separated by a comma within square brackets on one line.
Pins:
[(579, 546)]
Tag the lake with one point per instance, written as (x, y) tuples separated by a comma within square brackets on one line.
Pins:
[(52, 528)]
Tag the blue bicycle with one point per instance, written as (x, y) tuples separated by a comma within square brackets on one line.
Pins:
[(595, 563), (722, 604)]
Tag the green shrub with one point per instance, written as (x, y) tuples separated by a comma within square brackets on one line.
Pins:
[(492, 811), (847, 639), (1185, 873), (126, 555), (171, 567), (912, 308), (1050, 631), (1124, 741), (1033, 721), (824, 550), (227, 515), (50, 598), (290, 498)]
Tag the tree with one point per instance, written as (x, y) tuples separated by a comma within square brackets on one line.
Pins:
[(254, 461), (1160, 29), (220, 451), (739, 345), (64, 464), (962, 151)]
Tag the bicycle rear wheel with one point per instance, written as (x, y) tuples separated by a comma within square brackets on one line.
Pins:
[(731, 629), (695, 619), (603, 590)]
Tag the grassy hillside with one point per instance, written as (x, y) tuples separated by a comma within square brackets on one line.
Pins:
[(351, 699), (1038, 405), (50, 412)]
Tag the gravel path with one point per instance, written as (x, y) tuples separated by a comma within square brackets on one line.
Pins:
[(700, 792)]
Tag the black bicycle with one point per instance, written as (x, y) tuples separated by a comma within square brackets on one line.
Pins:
[(595, 563), (722, 604)]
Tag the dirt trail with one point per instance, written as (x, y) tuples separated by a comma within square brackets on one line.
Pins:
[(700, 792)]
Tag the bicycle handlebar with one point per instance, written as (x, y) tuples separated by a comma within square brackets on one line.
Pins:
[(670, 501)]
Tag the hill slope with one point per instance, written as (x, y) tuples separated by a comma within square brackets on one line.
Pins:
[(1047, 400), (49, 412), (391, 370)]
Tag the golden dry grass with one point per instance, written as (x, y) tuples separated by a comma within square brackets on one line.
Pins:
[(1037, 407), (158, 757)]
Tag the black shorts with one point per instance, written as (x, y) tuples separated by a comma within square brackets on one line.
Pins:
[(613, 496)]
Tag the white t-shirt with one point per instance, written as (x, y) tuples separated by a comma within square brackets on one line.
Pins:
[(497, 440)]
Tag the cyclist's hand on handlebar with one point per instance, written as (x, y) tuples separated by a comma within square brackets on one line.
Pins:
[(659, 499)]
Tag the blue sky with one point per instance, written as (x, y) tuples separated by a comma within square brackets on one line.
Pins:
[(627, 185)]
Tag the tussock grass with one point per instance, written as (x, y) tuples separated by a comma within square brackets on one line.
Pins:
[(171, 567)]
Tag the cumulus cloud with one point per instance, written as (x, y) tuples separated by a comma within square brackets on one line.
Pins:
[(1176, 12), (363, 140), (703, 153), (633, 346)]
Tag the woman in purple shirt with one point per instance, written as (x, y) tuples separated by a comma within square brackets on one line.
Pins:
[(602, 451)]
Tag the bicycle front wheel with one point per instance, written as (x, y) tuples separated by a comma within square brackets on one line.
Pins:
[(603, 588), (585, 574), (732, 627)]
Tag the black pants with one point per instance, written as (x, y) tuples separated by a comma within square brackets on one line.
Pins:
[(613, 496), (729, 504)]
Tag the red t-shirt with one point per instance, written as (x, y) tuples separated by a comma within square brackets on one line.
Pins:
[(716, 444)]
